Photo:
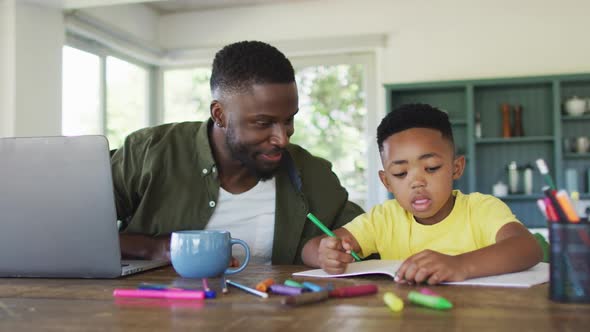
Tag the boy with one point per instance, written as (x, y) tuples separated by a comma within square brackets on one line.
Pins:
[(443, 234)]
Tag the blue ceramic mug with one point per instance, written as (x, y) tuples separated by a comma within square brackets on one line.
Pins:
[(204, 254)]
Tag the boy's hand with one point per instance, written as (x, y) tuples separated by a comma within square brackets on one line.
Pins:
[(333, 256), (431, 267)]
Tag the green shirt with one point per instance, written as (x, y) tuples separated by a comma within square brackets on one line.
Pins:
[(165, 179)]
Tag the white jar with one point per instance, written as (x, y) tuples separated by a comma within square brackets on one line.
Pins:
[(500, 189)]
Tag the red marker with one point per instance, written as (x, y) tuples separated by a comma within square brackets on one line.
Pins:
[(354, 291)]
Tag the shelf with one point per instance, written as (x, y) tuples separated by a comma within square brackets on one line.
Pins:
[(575, 118), (576, 155), (513, 140), (458, 122), (546, 127), (521, 197)]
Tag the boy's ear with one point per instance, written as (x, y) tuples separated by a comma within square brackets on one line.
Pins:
[(458, 167), (384, 180)]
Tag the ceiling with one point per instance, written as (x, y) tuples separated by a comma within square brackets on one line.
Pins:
[(178, 6), (162, 6)]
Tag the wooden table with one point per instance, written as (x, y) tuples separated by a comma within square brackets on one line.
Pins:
[(81, 304)]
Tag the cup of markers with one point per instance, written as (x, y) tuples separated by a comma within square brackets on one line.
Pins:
[(569, 244), (569, 261)]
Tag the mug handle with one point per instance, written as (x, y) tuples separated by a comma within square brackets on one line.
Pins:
[(245, 263)]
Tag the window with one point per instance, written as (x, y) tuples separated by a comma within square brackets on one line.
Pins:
[(81, 93), (127, 99), (104, 94), (331, 122), (186, 94)]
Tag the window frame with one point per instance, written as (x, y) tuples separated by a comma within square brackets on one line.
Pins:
[(103, 51)]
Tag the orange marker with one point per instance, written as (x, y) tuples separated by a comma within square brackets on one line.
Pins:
[(567, 206), (263, 285)]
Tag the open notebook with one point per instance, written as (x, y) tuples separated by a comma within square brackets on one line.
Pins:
[(538, 274)]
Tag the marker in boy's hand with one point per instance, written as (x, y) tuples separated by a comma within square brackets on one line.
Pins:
[(334, 254), (431, 267)]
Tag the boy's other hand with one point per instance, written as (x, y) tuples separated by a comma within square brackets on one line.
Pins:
[(431, 267), (333, 256)]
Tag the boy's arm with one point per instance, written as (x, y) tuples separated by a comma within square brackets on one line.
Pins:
[(515, 250), (328, 252)]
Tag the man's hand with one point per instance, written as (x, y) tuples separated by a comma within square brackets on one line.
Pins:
[(334, 255), (234, 262), (135, 246), (432, 267), (160, 248)]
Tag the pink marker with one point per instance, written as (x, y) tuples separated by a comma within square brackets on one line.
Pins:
[(427, 291), (170, 294)]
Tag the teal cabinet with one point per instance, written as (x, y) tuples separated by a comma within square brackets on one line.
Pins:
[(543, 121)]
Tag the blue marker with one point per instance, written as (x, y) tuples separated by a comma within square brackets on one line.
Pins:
[(313, 287)]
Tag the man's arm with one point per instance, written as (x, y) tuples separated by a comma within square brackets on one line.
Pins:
[(137, 246)]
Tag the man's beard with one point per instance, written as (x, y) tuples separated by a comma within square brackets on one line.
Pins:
[(245, 155)]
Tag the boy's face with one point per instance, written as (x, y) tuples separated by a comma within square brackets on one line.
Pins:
[(419, 167)]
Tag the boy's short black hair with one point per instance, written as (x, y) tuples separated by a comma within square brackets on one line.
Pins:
[(414, 116), (240, 65)]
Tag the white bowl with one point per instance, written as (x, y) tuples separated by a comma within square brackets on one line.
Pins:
[(575, 106)]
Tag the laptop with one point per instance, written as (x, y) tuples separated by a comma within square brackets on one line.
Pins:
[(57, 210)]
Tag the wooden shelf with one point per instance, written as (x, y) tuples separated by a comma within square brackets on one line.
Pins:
[(514, 140)]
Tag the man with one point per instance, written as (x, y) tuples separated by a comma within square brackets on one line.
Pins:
[(236, 171)]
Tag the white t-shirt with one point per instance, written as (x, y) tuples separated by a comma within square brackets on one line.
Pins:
[(249, 216)]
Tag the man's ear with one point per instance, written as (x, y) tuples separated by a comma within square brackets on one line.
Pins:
[(217, 113), (458, 167)]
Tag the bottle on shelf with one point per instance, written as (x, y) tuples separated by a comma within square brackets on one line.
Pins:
[(506, 120), (528, 180), (518, 130), (477, 125), (513, 177)]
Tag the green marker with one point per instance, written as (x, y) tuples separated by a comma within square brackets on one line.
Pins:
[(293, 283), (328, 232), (434, 302)]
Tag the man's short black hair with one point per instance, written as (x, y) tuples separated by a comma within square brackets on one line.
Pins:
[(240, 65), (414, 116)]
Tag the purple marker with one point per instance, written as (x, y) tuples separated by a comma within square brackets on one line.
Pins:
[(427, 291), (285, 290)]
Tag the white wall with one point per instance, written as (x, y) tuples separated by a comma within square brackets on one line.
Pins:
[(427, 39), (39, 41), (7, 75), (136, 20)]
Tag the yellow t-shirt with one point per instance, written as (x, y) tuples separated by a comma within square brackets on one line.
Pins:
[(392, 232)]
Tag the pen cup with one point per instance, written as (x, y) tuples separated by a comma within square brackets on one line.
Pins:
[(569, 276)]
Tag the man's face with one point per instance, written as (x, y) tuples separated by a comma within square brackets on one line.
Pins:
[(418, 169), (259, 125)]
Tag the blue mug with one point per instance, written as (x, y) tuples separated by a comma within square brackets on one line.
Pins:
[(204, 254)]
